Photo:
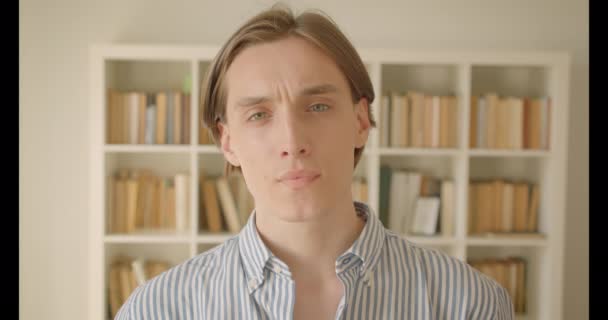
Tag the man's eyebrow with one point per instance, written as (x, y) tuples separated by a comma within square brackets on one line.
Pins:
[(308, 91), (319, 89)]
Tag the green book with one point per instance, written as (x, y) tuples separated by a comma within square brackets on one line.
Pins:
[(385, 188)]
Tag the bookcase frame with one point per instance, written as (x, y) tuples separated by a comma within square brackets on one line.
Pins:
[(545, 280)]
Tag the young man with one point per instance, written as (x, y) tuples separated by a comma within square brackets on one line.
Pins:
[(288, 101)]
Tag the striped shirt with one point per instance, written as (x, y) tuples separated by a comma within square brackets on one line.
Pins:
[(384, 275)]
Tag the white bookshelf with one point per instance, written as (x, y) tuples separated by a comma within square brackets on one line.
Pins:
[(156, 67)]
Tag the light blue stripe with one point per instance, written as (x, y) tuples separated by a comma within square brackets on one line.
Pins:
[(408, 282)]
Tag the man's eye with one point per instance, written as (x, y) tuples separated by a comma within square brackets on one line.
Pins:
[(319, 107), (257, 116)]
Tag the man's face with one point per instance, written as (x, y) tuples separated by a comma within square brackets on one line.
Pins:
[(292, 128)]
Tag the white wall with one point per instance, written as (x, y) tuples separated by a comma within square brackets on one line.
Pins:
[(53, 91)]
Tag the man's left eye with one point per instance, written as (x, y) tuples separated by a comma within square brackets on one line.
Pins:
[(319, 107)]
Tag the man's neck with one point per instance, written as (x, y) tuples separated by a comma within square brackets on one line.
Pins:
[(311, 248)]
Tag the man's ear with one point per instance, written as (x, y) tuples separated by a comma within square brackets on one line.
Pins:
[(225, 145), (362, 122)]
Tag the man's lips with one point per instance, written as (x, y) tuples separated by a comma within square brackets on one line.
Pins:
[(296, 179)]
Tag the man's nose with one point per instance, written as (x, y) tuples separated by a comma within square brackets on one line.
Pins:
[(293, 133)]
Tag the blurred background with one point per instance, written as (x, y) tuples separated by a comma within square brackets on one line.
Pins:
[(54, 39)]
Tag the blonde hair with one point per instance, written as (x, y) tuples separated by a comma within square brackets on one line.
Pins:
[(273, 24)]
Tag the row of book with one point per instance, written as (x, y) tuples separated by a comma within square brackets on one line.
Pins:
[(225, 203), (142, 201), (126, 274), (136, 117), (500, 205), (510, 273), (509, 122), (416, 203), (416, 119)]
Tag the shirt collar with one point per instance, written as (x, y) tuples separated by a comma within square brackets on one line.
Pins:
[(367, 247)]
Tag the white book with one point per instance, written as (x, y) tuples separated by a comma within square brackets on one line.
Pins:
[(181, 202), (139, 271), (426, 214), (411, 194), (435, 122), (133, 116), (447, 208), (397, 200), (228, 205)]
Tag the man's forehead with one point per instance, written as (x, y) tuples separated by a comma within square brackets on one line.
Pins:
[(293, 64)]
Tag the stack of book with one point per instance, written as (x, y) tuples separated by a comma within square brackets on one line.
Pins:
[(509, 122), (136, 117), (503, 206), (141, 201), (508, 272), (418, 120), (417, 203), (126, 274)]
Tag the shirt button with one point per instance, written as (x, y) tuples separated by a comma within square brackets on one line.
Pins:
[(252, 283), (277, 269)]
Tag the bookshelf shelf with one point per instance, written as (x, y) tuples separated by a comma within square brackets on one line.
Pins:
[(509, 153), (432, 240), (459, 74), (208, 149), (213, 238), (506, 241), (125, 239), (133, 148), (394, 151)]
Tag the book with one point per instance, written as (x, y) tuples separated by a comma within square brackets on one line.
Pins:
[(427, 124), (398, 203), (435, 121), (170, 139), (138, 270), (212, 209), (161, 118), (426, 215), (115, 290), (385, 187), (150, 134), (417, 118), (141, 117), (507, 207), (446, 214), (227, 202), (520, 214), (532, 223), (473, 122), (385, 120), (482, 122), (133, 105), (395, 120), (182, 202), (177, 117)]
